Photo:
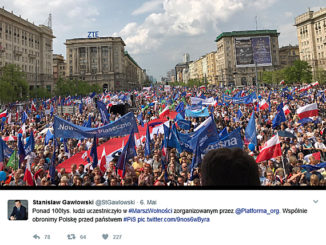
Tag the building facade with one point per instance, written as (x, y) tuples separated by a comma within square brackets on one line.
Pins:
[(59, 67), (288, 54), (311, 31), (102, 61), (211, 68), (28, 46), (238, 52)]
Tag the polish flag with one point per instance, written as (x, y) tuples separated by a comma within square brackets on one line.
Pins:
[(282, 82), (22, 130), (33, 106), (263, 105), (202, 87), (3, 114), (28, 177), (315, 84), (310, 110), (165, 112), (85, 155), (10, 138), (103, 161), (286, 110), (9, 118), (271, 149)]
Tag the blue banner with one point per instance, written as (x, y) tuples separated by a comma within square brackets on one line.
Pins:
[(184, 124), (232, 140), (66, 130), (239, 100), (104, 112), (201, 113)]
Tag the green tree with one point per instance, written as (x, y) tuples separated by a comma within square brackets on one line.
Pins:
[(299, 72), (321, 76), (13, 84), (39, 93)]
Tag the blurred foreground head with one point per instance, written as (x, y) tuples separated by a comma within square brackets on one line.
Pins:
[(229, 167)]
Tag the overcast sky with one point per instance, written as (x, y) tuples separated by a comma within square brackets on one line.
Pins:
[(158, 32)]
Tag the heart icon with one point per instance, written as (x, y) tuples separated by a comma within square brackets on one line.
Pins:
[(105, 236)]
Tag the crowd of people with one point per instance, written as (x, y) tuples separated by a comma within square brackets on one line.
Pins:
[(303, 146)]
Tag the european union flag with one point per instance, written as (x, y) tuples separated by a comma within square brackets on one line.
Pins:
[(93, 153), (279, 118), (250, 133), (147, 142)]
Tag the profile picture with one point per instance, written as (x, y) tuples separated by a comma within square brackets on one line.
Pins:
[(17, 209)]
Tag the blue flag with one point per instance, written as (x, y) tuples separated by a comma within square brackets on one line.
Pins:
[(180, 107), (179, 117), (51, 110), (200, 113), (104, 112), (93, 153), (52, 166), (127, 153), (280, 107), (239, 115), (81, 108), (5, 151), (21, 150), (196, 160), (24, 117), (310, 168), (48, 137), (184, 124), (147, 143), (88, 124), (140, 119), (232, 140), (30, 144), (279, 118), (250, 133)]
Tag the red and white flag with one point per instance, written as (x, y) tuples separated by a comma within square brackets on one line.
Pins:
[(263, 105), (85, 155), (9, 118), (315, 84), (22, 130), (271, 149), (286, 110), (165, 112), (103, 161), (28, 177), (3, 114), (33, 106), (282, 82), (10, 138), (310, 110)]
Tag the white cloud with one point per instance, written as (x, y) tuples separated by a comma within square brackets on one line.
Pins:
[(181, 17), (149, 7), (288, 35)]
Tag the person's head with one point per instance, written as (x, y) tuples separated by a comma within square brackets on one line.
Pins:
[(229, 167), (181, 180), (314, 180), (97, 179), (18, 203), (73, 168), (81, 168)]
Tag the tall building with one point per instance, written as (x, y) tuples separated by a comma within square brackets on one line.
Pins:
[(239, 52), (29, 46), (288, 54), (59, 67), (186, 58), (102, 61), (311, 31), (211, 68)]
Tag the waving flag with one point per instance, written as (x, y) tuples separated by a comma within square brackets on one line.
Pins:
[(21, 150), (279, 118), (104, 112), (81, 108), (93, 153), (310, 110), (164, 113), (30, 144), (103, 161), (263, 105), (250, 133), (24, 117), (196, 160), (28, 176), (13, 161), (3, 114), (147, 142), (52, 166), (286, 110), (127, 153), (271, 149), (239, 115)]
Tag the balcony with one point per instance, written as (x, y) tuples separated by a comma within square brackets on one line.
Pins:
[(32, 56), (18, 52)]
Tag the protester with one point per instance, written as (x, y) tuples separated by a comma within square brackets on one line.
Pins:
[(282, 145)]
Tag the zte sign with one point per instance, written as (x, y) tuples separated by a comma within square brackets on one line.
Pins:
[(93, 34)]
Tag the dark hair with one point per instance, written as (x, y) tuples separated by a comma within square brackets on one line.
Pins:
[(229, 167), (18, 201)]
